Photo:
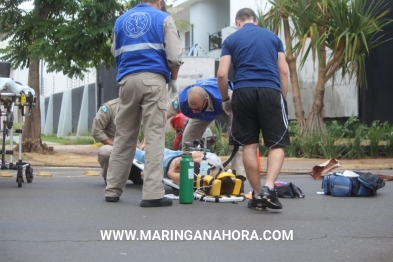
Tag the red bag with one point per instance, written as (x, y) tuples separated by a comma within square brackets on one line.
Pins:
[(178, 122)]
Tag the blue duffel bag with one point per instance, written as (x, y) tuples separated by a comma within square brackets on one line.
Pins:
[(338, 185)]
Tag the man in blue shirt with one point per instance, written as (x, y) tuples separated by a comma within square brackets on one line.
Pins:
[(258, 101), (146, 47), (202, 104)]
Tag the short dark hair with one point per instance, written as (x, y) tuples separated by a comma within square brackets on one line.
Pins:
[(246, 14)]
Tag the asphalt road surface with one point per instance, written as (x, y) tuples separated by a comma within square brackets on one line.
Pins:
[(64, 218)]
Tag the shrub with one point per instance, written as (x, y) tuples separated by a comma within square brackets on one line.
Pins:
[(335, 129), (388, 137), (221, 146), (294, 150), (327, 144), (16, 125), (374, 135), (354, 147), (351, 126), (293, 128), (309, 144)]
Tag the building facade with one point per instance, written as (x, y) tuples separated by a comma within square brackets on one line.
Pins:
[(212, 21)]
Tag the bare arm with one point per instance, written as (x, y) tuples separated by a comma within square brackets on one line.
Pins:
[(174, 72), (222, 75), (107, 142), (197, 156), (174, 170), (283, 71)]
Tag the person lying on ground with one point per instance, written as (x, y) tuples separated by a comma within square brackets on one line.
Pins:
[(172, 158)]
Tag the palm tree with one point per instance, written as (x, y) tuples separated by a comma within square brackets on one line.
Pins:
[(277, 19), (341, 32)]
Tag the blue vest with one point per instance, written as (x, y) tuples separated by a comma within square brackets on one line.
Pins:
[(140, 45), (211, 87)]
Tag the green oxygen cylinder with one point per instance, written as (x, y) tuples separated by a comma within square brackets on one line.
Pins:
[(186, 187)]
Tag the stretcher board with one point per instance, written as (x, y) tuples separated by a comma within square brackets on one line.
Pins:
[(138, 164), (197, 195), (165, 180), (170, 183), (220, 199), (9, 85)]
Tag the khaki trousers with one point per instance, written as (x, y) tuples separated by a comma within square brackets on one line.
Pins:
[(195, 129), (142, 98), (103, 158)]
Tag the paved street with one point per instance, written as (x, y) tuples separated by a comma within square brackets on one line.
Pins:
[(59, 218)]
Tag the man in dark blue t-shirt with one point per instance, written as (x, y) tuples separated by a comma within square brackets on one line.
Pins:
[(258, 101)]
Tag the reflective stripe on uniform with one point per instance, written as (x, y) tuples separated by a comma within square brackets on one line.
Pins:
[(135, 47)]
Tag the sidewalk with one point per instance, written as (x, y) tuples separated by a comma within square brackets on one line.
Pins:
[(301, 165), (86, 156)]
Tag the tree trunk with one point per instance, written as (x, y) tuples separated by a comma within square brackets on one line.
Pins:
[(31, 133), (315, 119), (297, 100)]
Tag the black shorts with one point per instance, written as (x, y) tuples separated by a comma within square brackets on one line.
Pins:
[(259, 109)]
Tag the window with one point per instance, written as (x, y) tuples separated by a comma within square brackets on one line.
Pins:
[(215, 41)]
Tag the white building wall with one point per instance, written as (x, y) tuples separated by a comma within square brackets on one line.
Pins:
[(183, 42), (195, 68), (340, 100), (51, 82), (208, 17)]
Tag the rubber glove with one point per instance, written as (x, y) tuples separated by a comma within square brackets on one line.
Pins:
[(227, 107), (173, 88)]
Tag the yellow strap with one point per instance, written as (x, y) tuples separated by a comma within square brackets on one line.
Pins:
[(22, 99)]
